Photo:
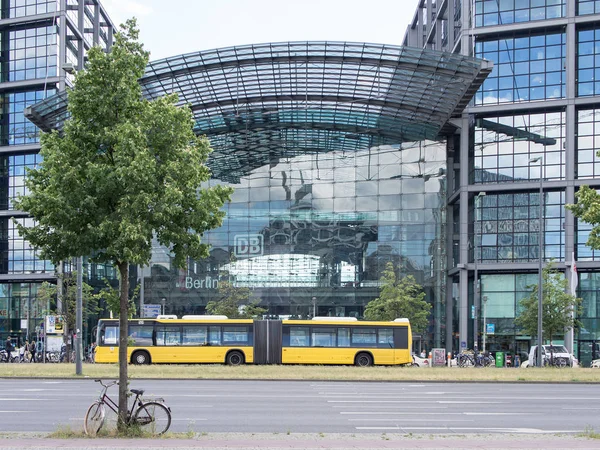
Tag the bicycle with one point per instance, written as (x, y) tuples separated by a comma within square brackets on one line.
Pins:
[(465, 360), (6, 358), (152, 416)]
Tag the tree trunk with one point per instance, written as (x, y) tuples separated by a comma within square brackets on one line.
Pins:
[(123, 335)]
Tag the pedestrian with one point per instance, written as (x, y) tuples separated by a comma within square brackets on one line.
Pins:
[(22, 351), (32, 348), (9, 348), (39, 349)]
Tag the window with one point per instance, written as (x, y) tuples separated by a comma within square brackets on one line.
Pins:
[(386, 338), (323, 337), (361, 336), (111, 334), (140, 335), (168, 335), (214, 335), (194, 335), (235, 335), (343, 337), (299, 337)]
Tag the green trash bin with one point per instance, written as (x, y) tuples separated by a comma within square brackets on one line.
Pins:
[(499, 359)]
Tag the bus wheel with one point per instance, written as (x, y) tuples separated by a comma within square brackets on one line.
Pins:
[(234, 359), (363, 360), (140, 358)]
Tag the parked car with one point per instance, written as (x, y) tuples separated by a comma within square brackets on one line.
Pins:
[(556, 355), (420, 362), (595, 364)]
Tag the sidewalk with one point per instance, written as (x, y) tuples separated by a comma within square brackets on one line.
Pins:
[(216, 441)]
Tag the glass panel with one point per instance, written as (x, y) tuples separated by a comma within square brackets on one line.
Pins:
[(168, 335)]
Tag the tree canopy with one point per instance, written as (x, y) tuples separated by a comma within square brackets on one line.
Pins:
[(587, 209), (558, 306), (122, 171), (399, 298)]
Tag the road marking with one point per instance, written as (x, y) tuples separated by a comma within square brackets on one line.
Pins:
[(377, 401), (188, 419), (409, 413), (496, 414), (17, 412), (410, 420), (487, 430), (470, 403), (399, 406)]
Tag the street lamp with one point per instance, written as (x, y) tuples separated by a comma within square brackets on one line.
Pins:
[(540, 159), (163, 302), (476, 247), (314, 300)]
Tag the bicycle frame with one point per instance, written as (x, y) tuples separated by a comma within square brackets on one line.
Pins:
[(106, 400)]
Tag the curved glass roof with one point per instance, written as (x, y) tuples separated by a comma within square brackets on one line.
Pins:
[(260, 102)]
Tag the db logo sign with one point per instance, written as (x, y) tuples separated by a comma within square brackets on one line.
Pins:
[(248, 245)]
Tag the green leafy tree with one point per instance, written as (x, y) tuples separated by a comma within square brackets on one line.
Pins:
[(558, 306), (112, 298), (47, 293), (234, 302), (122, 171), (399, 298), (587, 209)]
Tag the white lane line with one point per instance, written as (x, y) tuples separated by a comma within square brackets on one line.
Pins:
[(392, 413), (487, 430), (470, 403), (378, 401), (410, 420), (21, 399), (395, 406), (11, 412), (497, 414)]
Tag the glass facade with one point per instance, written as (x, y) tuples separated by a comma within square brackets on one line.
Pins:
[(504, 146), (534, 118), (30, 71), (22, 8), (503, 12), (588, 62), (32, 53), (527, 67), (313, 233), (507, 229)]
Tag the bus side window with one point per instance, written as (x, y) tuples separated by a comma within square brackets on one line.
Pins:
[(343, 337), (298, 337), (214, 335)]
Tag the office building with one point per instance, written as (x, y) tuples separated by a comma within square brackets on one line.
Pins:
[(539, 101)]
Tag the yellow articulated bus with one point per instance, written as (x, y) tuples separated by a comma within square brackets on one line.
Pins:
[(219, 340)]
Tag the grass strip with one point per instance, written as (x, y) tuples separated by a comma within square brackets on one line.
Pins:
[(300, 372)]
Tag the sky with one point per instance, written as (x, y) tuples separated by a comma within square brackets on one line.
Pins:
[(174, 27)]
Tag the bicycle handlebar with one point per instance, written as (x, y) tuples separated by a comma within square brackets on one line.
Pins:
[(106, 385)]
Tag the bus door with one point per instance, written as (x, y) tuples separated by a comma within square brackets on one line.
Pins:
[(401, 342), (267, 341)]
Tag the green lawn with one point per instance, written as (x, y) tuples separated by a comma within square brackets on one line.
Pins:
[(297, 372)]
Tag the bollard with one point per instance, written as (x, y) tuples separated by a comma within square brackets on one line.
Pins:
[(449, 359), (430, 359)]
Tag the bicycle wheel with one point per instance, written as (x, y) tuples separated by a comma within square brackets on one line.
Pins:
[(94, 419), (153, 417)]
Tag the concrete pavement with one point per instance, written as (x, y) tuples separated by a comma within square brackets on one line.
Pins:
[(216, 441)]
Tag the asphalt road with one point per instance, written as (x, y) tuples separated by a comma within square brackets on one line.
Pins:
[(211, 406)]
